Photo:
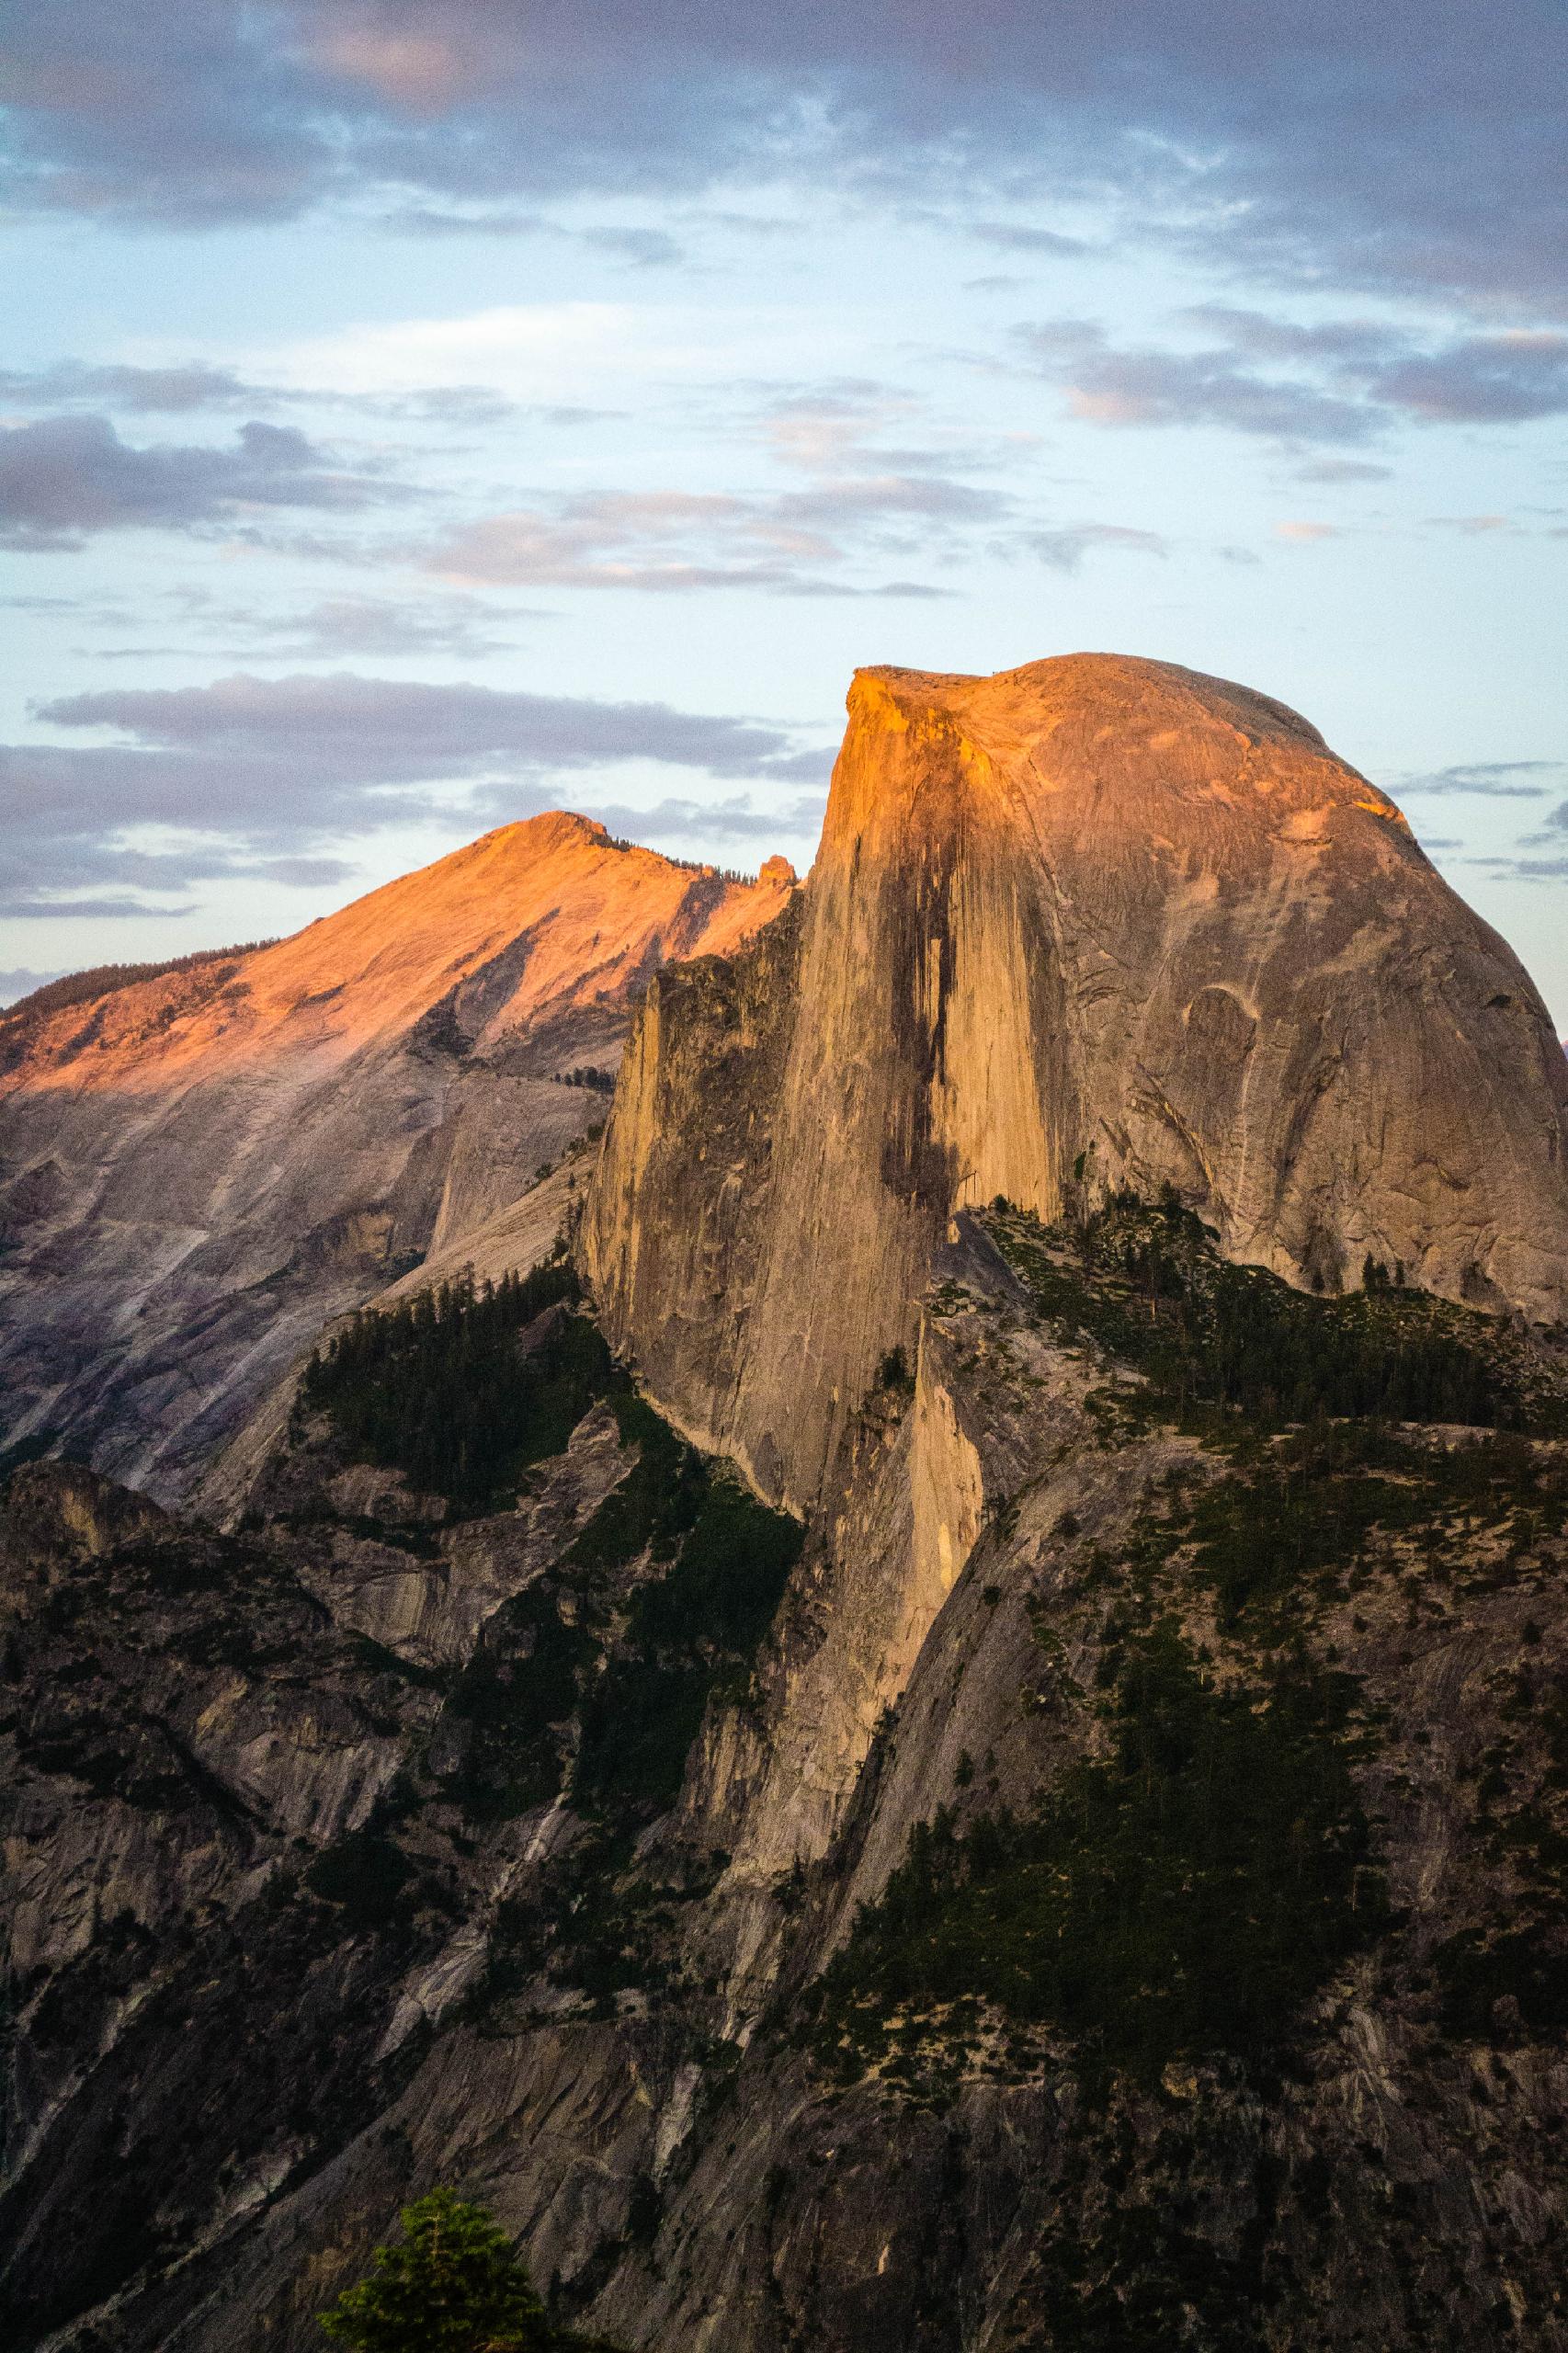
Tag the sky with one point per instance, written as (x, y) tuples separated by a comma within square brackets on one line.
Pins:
[(416, 414)]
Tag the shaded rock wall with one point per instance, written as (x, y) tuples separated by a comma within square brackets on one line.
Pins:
[(225, 2072)]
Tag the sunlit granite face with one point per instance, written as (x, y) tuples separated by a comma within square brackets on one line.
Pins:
[(198, 1171), (1094, 907)]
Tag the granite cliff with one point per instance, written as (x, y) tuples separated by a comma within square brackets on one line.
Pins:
[(1095, 913), (196, 1171), (945, 1731)]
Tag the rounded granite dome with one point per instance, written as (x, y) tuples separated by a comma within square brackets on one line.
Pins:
[(1107, 737), (1112, 913)]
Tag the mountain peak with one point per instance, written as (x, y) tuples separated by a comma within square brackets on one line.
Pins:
[(1129, 685), (1094, 914), (1112, 740), (225, 1156)]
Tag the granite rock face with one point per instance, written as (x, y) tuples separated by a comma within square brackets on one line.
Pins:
[(197, 1172), (1102, 1877), (1095, 920)]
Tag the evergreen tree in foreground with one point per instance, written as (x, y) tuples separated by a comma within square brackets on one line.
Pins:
[(453, 2286)]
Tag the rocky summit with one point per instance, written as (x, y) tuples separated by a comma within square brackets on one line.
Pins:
[(914, 1704), (196, 1170)]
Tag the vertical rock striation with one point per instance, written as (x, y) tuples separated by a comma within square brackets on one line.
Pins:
[(1103, 1879), (1097, 914)]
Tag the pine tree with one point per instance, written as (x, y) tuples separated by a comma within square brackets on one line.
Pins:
[(453, 2286)]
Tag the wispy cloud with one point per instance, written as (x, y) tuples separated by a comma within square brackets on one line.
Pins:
[(268, 778), (1065, 547), (1524, 869), (1339, 381), (1020, 237), (68, 478), (1144, 386), (635, 246), (1485, 780), (20, 980), (1366, 143), (838, 539), (364, 626), (188, 388), (176, 391), (362, 730), (868, 493)]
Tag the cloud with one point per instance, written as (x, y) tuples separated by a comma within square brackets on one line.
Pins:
[(369, 626), (1397, 147), (1484, 779), (1065, 549), (1017, 237), (22, 980), (1149, 386), (870, 504), (436, 622), (635, 247), (707, 539), (268, 778), (188, 388), (1472, 527), (1332, 382), (365, 730), (794, 544), (638, 248), (823, 428), (866, 504), (1332, 472), (1524, 869), (665, 541), (66, 478), (17, 902), (152, 391), (1510, 379), (374, 626)]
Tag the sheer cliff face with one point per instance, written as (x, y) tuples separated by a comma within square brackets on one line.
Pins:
[(195, 1172), (1096, 907), (1197, 1740)]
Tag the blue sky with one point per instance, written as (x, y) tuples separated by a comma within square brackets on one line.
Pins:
[(414, 417)]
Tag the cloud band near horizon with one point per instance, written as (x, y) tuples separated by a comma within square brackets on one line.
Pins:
[(266, 778)]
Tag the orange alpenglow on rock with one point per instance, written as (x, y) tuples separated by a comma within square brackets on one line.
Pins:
[(1094, 906), (201, 1169)]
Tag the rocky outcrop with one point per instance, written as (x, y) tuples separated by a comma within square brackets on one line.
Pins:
[(285, 1950), (1097, 1875), (1095, 920), (197, 1172)]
